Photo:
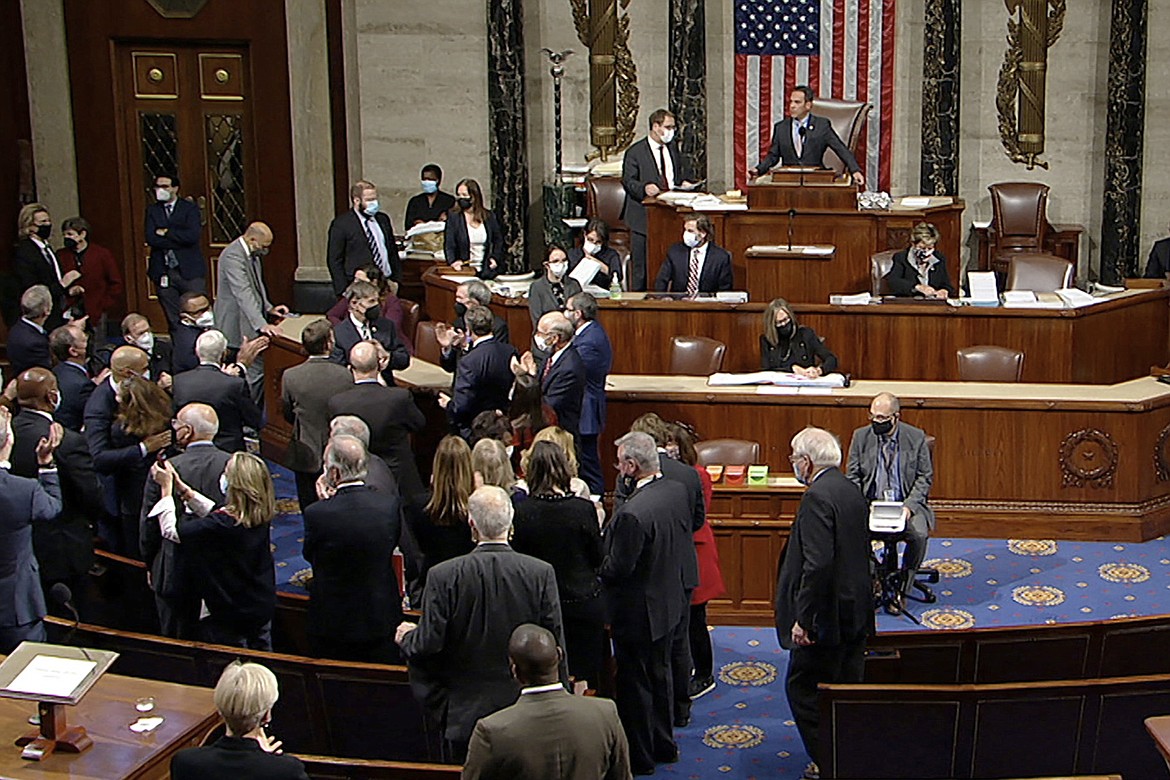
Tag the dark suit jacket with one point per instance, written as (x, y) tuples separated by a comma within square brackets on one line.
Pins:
[(345, 336), (644, 571), (184, 230), (819, 135), (349, 542), (160, 355), (76, 388), (200, 466), (1159, 263), (550, 735), (541, 299), (349, 248), (305, 391), (233, 568), (238, 757), (563, 531), (564, 388), (914, 466), (824, 582), (592, 345), (715, 276), (805, 350), (471, 605), (692, 518), (639, 168), (457, 243), (903, 275), (228, 395), (449, 359), (483, 381), (420, 209), (64, 546), (607, 255), (115, 457), (392, 416), (183, 338), (31, 267), (24, 502), (28, 348), (100, 276)]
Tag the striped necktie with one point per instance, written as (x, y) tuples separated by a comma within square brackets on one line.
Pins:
[(693, 274), (375, 248)]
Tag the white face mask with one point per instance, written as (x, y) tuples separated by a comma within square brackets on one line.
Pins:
[(590, 248), (667, 136), (541, 343), (146, 375), (145, 341), (57, 402), (223, 486), (558, 269), (162, 194), (205, 320), (691, 239)]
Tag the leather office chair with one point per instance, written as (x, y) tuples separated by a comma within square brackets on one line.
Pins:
[(990, 364), (1039, 273), (848, 118), (1019, 220), (723, 452), (696, 355), (880, 265), (604, 199), (411, 312), (426, 345)]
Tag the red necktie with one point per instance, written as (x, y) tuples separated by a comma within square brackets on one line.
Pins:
[(547, 368), (693, 274), (662, 165)]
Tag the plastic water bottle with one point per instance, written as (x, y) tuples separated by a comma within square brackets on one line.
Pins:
[(615, 289)]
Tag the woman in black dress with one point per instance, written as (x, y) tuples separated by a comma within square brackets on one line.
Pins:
[(920, 270), (786, 345), (562, 529), (438, 519)]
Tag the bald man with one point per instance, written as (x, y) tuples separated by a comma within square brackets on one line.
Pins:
[(242, 308), (561, 374)]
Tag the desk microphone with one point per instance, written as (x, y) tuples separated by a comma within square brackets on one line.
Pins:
[(61, 594), (791, 217)]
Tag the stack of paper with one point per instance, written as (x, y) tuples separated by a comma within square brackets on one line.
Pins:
[(1076, 298), (778, 378), (984, 290), (857, 299), (437, 226)]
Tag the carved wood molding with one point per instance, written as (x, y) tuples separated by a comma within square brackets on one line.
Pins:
[(1088, 457), (1162, 456)]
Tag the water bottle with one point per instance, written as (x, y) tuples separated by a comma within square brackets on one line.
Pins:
[(615, 289)]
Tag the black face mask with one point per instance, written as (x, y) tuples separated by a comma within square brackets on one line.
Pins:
[(460, 309), (70, 244), (373, 313), (44, 231), (464, 203), (882, 428), (787, 330)]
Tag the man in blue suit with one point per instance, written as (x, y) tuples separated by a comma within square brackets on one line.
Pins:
[(69, 345), (561, 374), (23, 502), (174, 231), (592, 344), (483, 376)]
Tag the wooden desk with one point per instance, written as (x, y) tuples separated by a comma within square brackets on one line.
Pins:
[(901, 341), (106, 713)]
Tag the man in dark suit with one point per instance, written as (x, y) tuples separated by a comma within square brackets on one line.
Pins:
[(69, 345), (173, 231), (650, 166), (483, 376), (824, 593), (644, 576), (350, 536), (196, 317), (64, 546), (33, 262), (696, 265), (378, 474), (547, 734), (471, 605), (561, 374), (1159, 263), (593, 347), (228, 395), (389, 411), (363, 234), (365, 322), (801, 139), (305, 391), (136, 333), (24, 502), (28, 340), (200, 465)]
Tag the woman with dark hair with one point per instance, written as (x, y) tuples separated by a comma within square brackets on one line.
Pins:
[(144, 410), (438, 519), (596, 247), (529, 415), (786, 345), (387, 295), (552, 290), (562, 529), (473, 235)]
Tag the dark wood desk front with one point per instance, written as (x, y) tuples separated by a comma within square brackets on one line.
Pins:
[(1105, 343)]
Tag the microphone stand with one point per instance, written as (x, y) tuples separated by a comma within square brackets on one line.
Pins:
[(791, 217)]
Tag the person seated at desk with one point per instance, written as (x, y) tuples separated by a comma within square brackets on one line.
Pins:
[(1158, 266), (551, 291), (595, 247), (695, 265), (432, 204), (786, 345), (801, 139), (473, 235), (920, 271)]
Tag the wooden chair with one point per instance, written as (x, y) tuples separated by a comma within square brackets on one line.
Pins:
[(880, 265), (721, 452), (990, 364), (696, 355), (411, 313), (1039, 272), (848, 118)]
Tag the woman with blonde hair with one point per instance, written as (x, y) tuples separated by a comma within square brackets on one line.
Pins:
[(229, 548), (491, 466), (438, 519)]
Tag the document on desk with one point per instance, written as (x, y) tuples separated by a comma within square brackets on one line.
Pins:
[(781, 379), (984, 291), (48, 675), (585, 271)]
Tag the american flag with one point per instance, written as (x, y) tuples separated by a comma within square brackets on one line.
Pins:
[(842, 49)]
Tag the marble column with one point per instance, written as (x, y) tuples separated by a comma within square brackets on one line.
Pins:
[(939, 169), (507, 126), (687, 88), (1121, 215)]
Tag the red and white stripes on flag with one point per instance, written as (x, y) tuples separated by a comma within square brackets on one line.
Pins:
[(853, 59)]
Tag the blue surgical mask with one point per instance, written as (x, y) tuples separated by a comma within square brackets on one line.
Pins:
[(223, 485), (691, 239), (429, 186), (372, 207)]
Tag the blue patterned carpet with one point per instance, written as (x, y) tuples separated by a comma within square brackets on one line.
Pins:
[(744, 729)]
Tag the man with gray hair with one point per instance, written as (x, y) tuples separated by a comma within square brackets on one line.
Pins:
[(350, 536), (207, 383), (458, 652), (824, 594), (645, 577), (561, 374), (455, 339), (378, 473), (28, 341)]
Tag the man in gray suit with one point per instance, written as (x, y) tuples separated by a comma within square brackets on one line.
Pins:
[(242, 307), (890, 461), (548, 734)]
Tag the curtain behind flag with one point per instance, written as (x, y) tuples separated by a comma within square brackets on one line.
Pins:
[(842, 49)]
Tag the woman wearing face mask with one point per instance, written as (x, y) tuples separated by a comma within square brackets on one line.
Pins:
[(143, 422), (100, 282), (549, 292), (473, 235), (432, 204), (595, 248), (786, 345), (921, 271), (695, 265), (34, 262), (228, 548)]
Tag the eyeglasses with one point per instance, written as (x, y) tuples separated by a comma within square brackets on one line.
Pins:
[(794, 459), (881, 418)]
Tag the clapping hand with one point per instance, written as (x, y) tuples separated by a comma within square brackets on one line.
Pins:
[(48, 444), (268, 744), (250, 349), (163, 474)]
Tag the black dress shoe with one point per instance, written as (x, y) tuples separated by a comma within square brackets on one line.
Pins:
[(682, 721), (701, 687), (668, 758), (649, 771)]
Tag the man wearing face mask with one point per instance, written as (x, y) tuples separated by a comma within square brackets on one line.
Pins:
[(561, 374), (242, 308), (483, 378), (363, 234), (432, 204), (890, 461), (100, 282), (196, 317), (551, 291), (34, 262), (650, 166), (174, 230), (136, 333), (365, 322), (696, 265), (824, 593), (69, 345)]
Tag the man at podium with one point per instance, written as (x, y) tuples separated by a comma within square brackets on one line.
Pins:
[(801, 139)]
